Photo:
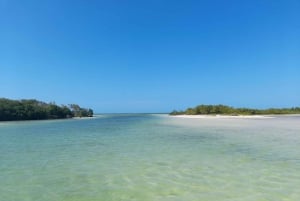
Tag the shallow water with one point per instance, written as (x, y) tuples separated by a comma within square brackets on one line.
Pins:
[(150, 157)]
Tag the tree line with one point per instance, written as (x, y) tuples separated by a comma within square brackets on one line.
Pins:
[(31, 109), (227, 110)]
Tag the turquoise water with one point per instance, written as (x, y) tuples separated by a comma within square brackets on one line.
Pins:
[(150, 157)]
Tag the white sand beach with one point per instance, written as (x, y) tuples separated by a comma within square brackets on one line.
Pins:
[(224, 116)]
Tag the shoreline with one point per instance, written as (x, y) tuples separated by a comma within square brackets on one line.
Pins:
[(78, 118), (224, 116), (68, 118)]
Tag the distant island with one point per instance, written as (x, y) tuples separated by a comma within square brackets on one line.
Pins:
[(227, 110), (12, 110)]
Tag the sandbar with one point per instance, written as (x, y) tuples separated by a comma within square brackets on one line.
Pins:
[(223, 116)]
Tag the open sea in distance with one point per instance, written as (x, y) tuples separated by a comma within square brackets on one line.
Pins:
[(148, 157)]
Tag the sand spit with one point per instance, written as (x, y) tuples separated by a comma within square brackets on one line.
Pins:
[(223, 116)]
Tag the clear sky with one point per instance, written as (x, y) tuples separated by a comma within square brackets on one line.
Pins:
[(151, 56)]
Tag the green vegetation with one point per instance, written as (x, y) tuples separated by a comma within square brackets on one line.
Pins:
[(227, 110), (11, 110)]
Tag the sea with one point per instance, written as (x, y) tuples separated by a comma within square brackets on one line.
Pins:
[(151, 157)]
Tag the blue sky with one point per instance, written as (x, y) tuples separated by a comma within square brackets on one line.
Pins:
[(151, 56)]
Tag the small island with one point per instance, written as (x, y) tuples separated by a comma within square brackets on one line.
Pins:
[(31, 109), (227, 110)]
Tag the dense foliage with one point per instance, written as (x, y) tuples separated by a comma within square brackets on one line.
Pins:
[(33, 110), (227, 110)]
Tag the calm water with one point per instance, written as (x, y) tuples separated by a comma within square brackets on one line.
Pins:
[(150, 157)]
